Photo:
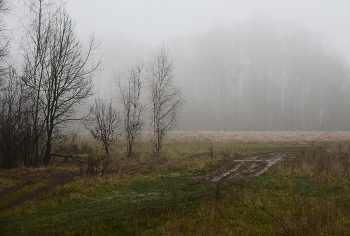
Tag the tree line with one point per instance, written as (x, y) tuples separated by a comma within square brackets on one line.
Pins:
[(262, 75), (42, 92)]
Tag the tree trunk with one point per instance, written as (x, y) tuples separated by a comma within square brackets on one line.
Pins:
[(129, 148), (106, 149), (47, 157)]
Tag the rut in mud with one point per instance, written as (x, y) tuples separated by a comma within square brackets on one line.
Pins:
[(51, 179), (246, 167)]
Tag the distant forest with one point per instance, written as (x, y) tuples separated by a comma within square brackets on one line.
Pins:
[(262, 75)]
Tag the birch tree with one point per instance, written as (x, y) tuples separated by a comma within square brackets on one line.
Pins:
[(165, 96), (132, 105)]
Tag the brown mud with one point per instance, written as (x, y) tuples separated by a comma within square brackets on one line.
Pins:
[(250, 166)]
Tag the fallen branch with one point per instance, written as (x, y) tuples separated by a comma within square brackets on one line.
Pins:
[(74, 158)]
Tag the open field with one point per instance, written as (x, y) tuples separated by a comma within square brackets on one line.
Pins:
[(205, 183), (260, 137)]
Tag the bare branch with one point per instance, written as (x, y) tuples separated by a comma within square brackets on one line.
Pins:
[(166, 98), (103, 123)]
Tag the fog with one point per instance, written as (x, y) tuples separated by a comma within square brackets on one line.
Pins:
[(157, 20), (243, 65)]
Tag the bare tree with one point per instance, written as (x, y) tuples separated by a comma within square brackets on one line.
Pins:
[(4, 40), (166, 98), (4, 43), (36, 62), (14, 122), (69, 82), (133, 108), (56, 70), (103, 122)]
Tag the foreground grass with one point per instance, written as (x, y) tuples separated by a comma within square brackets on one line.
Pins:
[(308, 194)]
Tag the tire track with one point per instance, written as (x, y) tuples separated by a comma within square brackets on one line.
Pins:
[(29, 196), (250, 166)]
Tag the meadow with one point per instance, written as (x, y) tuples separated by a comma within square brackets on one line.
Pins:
[(307, 192)]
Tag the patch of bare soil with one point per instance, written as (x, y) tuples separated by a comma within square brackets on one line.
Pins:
[(248, 167)]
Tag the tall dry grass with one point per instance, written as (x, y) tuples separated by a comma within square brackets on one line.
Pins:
[(322, 162), (256, 136)]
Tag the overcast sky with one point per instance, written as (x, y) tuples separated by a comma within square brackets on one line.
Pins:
[(153, 21)]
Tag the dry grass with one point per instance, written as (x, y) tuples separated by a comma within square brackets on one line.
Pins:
[(257, 137), (322, 162), (243, 136)]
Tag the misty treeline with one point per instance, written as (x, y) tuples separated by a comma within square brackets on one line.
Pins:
[(42, 92), (262, 75)]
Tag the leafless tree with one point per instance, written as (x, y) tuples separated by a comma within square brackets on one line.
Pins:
[(4, 40), (166, 98), (69, 82), (103, 123), (36, 61), (14, 122), (56, 70), (133, 108)]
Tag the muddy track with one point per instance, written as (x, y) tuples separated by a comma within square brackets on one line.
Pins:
[(31, 195), (15, 188), (246, 167), (51, 179)]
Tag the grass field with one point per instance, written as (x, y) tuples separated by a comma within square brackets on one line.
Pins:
[(307, 193)]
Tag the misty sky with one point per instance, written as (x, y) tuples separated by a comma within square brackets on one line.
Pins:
[(153, 21)]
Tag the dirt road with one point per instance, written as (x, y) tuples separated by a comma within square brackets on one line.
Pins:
[(246, 167), (49, 178)]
